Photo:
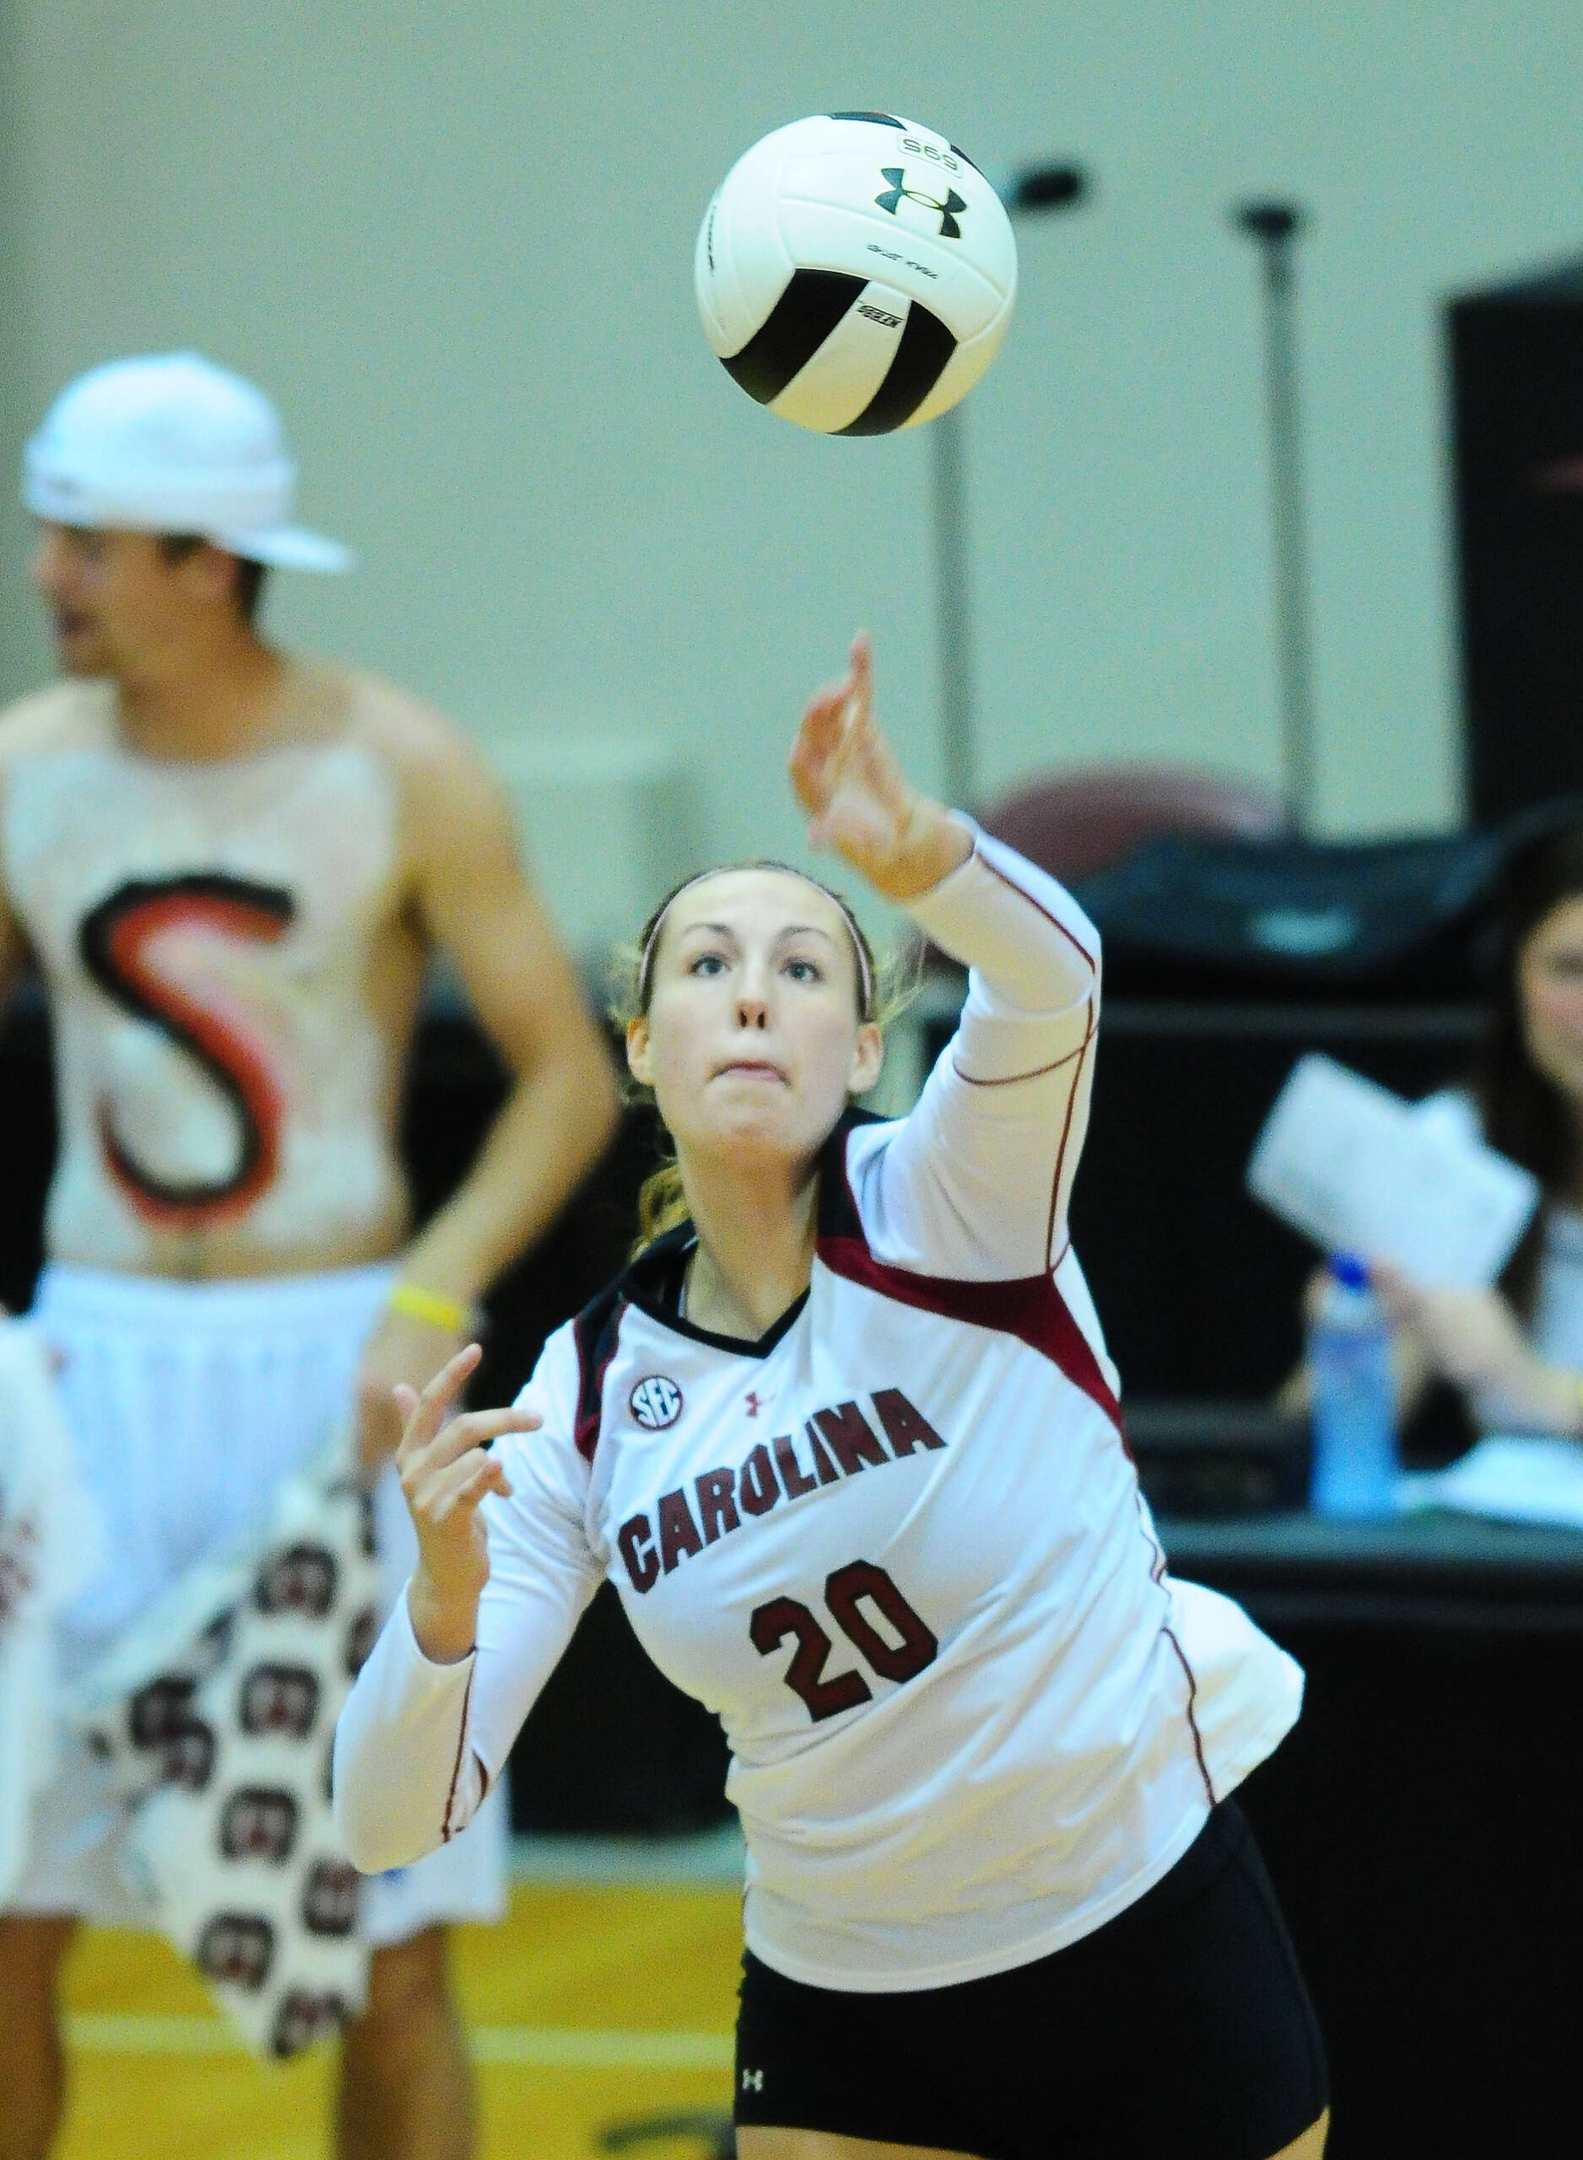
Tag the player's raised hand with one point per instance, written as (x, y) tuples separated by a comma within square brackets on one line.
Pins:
[(445, 1471), (860, 803)]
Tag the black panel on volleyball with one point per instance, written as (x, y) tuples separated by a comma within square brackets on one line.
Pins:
[(1517, 387)]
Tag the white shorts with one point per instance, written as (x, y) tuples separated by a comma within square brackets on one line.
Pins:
[(190, 1404)]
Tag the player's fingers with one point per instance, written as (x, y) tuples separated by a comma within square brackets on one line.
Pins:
[(461, 1485), (485, 1477), (860, 676), (817, 738), (434, 1488), (474, 1428), (432, 1404), (461, 1437)]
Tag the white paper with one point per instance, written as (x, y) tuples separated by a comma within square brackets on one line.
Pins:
[(1514, 1479), (1353, 1167)]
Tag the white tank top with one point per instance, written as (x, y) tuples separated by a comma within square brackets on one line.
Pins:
[(205, 933)]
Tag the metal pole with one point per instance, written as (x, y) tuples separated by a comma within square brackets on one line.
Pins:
[(1274, 226), (1028, 189), (953, 608)]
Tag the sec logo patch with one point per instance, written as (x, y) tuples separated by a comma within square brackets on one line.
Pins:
[(656, 1402)]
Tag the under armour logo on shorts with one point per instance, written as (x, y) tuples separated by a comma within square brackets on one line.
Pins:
[(752, 2081)]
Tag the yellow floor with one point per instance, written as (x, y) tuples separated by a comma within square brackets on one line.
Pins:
[(590, 2007)]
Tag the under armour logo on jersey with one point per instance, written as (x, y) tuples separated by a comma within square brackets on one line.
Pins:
[(656, 1402), (752, 2081), (892, 197), (755, 1403)]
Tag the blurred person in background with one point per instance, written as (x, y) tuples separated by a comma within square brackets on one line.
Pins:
[(1515, 1352), (231, 866)]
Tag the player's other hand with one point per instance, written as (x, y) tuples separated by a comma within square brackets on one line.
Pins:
[(860, 803), (445, 1471)]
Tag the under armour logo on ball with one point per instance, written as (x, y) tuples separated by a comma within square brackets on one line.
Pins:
[(656, 1402), (891, 199), (752, 2081)]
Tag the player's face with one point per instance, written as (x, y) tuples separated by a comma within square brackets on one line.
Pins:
[(116, 603), (1550, 989), (752, 1041)]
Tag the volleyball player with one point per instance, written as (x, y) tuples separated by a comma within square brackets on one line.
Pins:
[(231, 866), (845, 1438)]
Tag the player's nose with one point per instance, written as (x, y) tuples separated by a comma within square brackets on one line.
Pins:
[(753, 993)]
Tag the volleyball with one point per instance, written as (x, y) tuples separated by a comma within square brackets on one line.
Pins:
[(855, 273)]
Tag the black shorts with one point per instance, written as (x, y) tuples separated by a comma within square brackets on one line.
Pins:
[(1181, 2030)]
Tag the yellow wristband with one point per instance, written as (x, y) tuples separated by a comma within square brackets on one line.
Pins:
[(413, 1302)]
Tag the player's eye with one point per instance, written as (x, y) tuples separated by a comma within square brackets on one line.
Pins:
[(707, 963), (804, 971)]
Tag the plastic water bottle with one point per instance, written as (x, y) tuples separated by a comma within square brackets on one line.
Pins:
[(1354, 1397)]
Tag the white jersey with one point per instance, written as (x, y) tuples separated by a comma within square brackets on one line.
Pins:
[(897, 1545)]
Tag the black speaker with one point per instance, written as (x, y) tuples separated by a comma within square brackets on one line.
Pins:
[(1517, 399)]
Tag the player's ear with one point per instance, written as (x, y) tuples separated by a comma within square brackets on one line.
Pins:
[(640, 1063), (868, 1059)]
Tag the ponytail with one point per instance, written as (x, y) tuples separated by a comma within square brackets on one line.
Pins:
[(662, 1204)]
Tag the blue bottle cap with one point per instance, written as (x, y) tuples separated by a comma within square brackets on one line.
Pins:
[(1348, 1269)]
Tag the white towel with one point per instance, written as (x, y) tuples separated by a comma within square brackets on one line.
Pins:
[(219, 1707), (50, 1543)]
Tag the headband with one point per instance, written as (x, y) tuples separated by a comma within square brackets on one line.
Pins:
[(865, 971)]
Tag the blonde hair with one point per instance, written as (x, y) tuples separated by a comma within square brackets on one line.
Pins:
[(886, 985)]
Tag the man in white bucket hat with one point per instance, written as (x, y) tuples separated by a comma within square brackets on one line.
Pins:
[(230, 865)]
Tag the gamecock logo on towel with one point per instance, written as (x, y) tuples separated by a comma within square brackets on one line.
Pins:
[(304, 2017), (280, 1699), (361, 1637), (237, 1949), (258, 1823), (160, 1710), (301, 1580), (161, 1718), (329, 1898)]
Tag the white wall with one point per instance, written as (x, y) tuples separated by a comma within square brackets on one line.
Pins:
[(456, 244)]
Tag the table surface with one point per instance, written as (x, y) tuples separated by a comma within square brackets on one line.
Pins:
[(1430, 1568)]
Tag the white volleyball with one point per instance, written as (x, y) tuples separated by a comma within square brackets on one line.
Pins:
[(855, 273)]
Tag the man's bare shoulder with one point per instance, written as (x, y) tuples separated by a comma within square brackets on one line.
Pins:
[(418, 740), (65, 716)]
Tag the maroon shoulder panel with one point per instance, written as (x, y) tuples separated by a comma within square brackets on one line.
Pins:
[(595, 1331), (1028, 1306)]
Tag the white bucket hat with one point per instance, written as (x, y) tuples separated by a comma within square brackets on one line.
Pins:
[(170, 443)]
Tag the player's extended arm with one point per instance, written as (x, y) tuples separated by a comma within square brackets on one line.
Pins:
[(479, 907), (975, 1183)]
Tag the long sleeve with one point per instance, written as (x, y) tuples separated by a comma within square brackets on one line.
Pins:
[(975, 1182), (418, 1745), (399, 1755)]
